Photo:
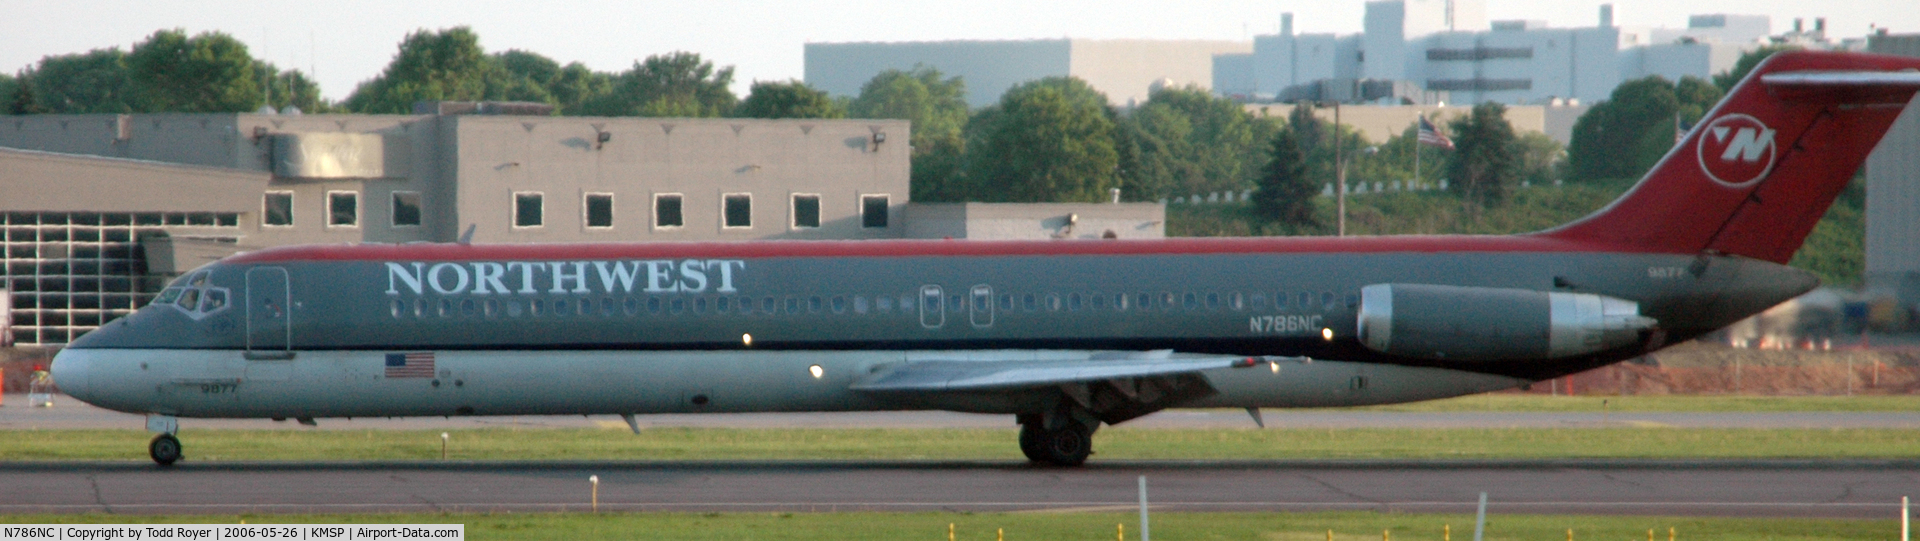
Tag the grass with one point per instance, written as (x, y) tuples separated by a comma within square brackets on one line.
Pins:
[(216, 445), (1091, 526), (1522, 402)]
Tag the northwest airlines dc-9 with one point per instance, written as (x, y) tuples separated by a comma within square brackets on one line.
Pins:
[(1063, 335)]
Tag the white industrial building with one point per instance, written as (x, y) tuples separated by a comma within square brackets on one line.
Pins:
[(1448, 49)]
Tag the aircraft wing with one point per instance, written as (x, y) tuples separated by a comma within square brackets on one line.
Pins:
[(939, 375)]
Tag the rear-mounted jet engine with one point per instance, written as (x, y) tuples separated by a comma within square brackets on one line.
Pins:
[(1494, 324)]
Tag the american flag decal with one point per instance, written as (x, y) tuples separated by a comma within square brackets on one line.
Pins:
[(410, 365)]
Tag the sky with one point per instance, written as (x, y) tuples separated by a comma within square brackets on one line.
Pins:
[(345, 42)]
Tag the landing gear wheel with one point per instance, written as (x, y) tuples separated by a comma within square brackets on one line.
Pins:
[(1030, 436), (165, 449), (1068, 446)]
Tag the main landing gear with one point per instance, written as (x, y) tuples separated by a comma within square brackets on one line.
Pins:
[(1068, 443)]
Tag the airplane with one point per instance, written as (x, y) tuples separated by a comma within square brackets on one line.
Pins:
[(1065, 335)]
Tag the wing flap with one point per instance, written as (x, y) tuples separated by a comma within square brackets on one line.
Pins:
[(957, 375)]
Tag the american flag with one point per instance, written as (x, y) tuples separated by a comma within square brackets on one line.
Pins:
[(410, 365), (1432, 136)]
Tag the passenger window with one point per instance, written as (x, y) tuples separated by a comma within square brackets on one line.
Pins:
[(1099, 301), (1145, 301), (956, 304), (492, 307), (700, 305), (1257, 300), (1053, 302), (722, 305), (653, 305), (814, 304), (1167, 300), (1236, 301), (1190, 301), (632, 305), (884, 303), (1120, 301), (469, 308), (1353, 300), (1306, 300), (1213, 301), (1280, 300), (678, 306), (860, 305), (1006, 302), (445, 308), (398, 307), (1073, 302), (839, 304), (767, 305), (513, 309), (537, 307), (1326, 299), (793, 305), (1030, 302)]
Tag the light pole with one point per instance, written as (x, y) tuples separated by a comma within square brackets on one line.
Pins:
[(1339, 173)]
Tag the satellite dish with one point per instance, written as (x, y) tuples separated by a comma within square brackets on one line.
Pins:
[(290, 111), (264, 110)]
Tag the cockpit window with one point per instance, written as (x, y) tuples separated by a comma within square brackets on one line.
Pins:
[(215, 300), (196, 296)]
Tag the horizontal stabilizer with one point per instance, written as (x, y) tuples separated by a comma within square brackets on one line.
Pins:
[(1844, 86), (942, 375)]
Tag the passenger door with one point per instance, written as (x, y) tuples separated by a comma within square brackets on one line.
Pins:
[(269, 314)]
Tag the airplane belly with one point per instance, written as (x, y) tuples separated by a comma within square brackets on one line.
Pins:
[(1316, 384), (345, 383)]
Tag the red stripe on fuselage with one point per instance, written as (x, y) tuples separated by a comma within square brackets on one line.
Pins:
[(923, 248)]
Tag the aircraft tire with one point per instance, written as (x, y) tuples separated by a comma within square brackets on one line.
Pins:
[(1030, 436), (1069, 446), (165, 449)]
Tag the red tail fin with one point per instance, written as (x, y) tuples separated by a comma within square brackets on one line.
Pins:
[(1760, 170)]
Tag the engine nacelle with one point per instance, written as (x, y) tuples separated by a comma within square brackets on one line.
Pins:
[(1493, 324)]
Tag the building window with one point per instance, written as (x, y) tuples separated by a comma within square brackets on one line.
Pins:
[(406, 209), (736, 210), (529, 209), (599, 209), (666, 211), (343, 209), (277, 209), (806, 210), (873, 210)]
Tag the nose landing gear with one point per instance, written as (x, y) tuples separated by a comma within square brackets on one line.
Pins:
[(165, 448)]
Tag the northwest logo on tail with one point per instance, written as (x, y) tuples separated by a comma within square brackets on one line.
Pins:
[(1737, 150)]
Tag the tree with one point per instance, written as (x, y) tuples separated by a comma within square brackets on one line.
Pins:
[(675, 84), (1285, 193), (937, 108), (1207, 144), (1486, 158), (1748, 60), (11, 91), (1540, 157), (792, 99), (576, 86), (209, 72), (1626, 135), (1049, 140), (293, 88), (430, 66), (95, 82)]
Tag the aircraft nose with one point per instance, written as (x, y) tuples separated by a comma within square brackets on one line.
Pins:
[(70, 368)]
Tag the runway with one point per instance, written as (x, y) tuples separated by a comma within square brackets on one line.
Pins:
[(1840, 489)]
